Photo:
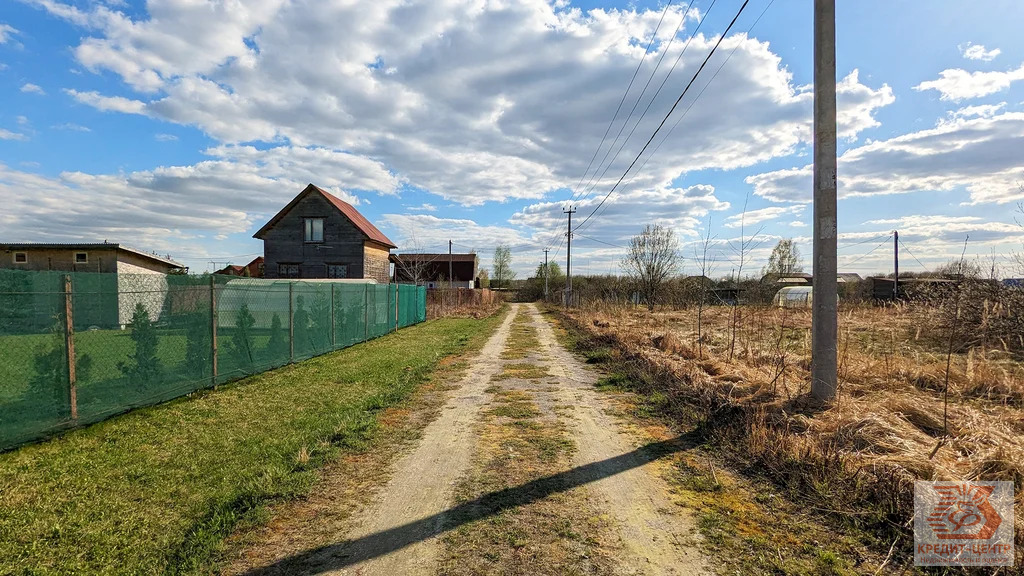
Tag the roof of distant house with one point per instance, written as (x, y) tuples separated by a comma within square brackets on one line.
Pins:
[(422, 257), (365, 226), (86, 246)]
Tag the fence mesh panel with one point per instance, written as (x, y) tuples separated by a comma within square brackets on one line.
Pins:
[(140, 339)]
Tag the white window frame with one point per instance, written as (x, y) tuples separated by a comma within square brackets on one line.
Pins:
[(309, 230), (86, 261), (14, 257)]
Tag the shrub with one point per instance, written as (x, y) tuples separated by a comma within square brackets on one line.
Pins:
[(144, 367)]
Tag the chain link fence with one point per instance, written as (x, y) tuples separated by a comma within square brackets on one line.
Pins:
[(76, 348)]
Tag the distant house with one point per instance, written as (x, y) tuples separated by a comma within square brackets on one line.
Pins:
[(318, 235), (801, 279), (253, 269), (128, 277), (432, 270), (76, 257)]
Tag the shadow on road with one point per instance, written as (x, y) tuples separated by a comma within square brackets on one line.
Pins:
[(349, 552)]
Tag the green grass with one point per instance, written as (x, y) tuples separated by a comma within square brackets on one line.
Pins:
[(157, 490)]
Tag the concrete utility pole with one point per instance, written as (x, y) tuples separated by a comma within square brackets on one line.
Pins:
[(568, 257), (824, 322), (546, 270), (896, 264), (451, 279)]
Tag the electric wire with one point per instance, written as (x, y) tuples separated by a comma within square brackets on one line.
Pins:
[(925, 268), (592, 184), (699, 94), (869, 252), (669, 114)]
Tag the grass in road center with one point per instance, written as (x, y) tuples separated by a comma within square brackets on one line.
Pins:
[(157, 490)]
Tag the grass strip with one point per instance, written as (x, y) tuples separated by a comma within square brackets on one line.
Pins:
[(157, 490)]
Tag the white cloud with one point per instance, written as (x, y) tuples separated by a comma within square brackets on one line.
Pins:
[(957, 84), (473, 102), (425, 207), (752, 217), (6, 31), (23, 120), (165, 137), (30, 88), (980, 153), (8, 135), (973, 51), (72, 127), (108, 103)]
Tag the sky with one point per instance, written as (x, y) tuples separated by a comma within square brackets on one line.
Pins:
[(182, 126)]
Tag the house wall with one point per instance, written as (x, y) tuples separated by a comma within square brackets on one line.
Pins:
[(61, 259), (375, 262), (285, 242), (140, 281)]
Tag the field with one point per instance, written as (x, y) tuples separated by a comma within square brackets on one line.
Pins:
[(746, 381), (157, 490)]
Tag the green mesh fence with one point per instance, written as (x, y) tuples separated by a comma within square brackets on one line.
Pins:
[(140, 339)]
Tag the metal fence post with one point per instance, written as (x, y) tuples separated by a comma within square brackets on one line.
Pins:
[(366, 312), (396, 307), (334, 336), (213, 331), (291, 322), (69, 347)]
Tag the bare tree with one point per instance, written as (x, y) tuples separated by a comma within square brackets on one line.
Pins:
[(503, 272), (705, 274), (653, 257), (416, 266), (742, 250)]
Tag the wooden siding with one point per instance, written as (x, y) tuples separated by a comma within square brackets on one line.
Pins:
[(376, 264), (285, 243)]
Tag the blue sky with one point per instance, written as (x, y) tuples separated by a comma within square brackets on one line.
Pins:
[(181, 126)]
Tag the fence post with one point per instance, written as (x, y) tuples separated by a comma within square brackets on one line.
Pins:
[(396, 306), (213, 331), (69, 347), (291, 322), (334, 336), (366, 312)]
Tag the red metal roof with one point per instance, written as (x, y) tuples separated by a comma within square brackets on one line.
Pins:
[(365, 226)]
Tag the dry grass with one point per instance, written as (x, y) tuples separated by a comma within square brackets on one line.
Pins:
[(883, 432)]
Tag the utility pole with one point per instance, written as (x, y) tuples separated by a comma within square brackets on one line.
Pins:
[(824, 321), (896, 264), (568, 257), (450, 278), (546, 270)]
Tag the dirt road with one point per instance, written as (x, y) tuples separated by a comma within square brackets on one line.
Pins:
[(523, 472)]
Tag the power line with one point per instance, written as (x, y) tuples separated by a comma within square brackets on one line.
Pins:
[(671, 110), (623, 99), (925, 268), (875, 239), (600, 241), (592, 184), (699, 94), (618, 108), (868, 253)]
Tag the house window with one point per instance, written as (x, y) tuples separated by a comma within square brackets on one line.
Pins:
[(288, 270), (81, 257), (337, 271), (21, 257), (314, 229)]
